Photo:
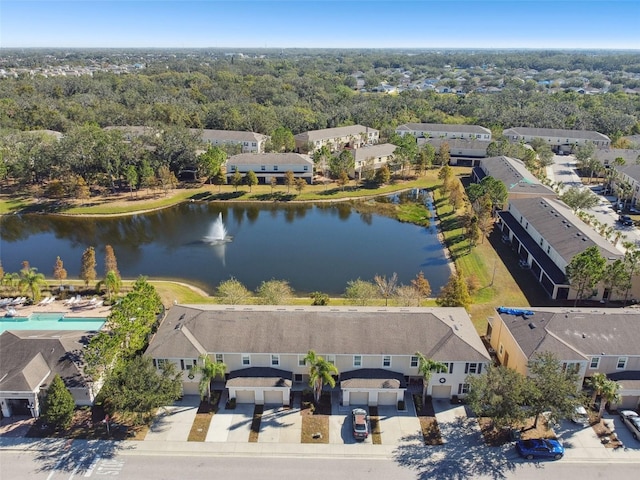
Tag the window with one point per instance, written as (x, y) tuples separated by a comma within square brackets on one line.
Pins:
[(254, 144), (463, 388), (219, 358), (571, 367), (595, 362), (386, 361), (448, 368), (275, 360), (263, 168), (501, 350), (473, 368), (330, 359), (246, 359), (233, 168), (275, 168), (414, 362), (246, 144), (187, 364), (541, 241), (306, 168), (297, 377), (622, 363), (357, 360), (301, 361), (161, 362), (548, 248)]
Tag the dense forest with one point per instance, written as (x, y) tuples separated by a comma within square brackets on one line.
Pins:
[(299, 90)]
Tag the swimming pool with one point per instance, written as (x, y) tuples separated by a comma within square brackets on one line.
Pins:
[(50, 321)]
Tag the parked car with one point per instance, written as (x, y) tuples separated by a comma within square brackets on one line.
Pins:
[(540, 448), (631, 420), (360, 421), (625, 220), (580, 416)]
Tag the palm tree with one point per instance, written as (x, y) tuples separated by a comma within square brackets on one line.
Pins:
[(426, 368), (596, 382), (320, 373), (31, 281), (112, 283), (609, 393), (208, 371)]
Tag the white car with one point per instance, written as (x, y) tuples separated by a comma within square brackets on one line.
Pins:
[(631, 420), (580, 416)]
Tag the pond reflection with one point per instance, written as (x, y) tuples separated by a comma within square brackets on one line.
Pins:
[(314, 247)]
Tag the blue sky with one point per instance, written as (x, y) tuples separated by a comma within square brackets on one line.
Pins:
[(613, 24)]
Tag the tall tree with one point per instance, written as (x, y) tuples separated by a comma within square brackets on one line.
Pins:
[(58, 404), (552, 387), (131, 175), (208, 371), (360, 292), (31, 281), (609, 393), (585, 271), (596, 383), (251, 179), (321, 373), (422, 285), (386, 286), (289, 180), (137, 387), (498, 394), (110, 262), (274, 292), (455, 293), (579, 199), (427, 367), (282, 140), (616, 277), (210, 162), (236, 180), (300, 185), (232, 292), (88, 266)]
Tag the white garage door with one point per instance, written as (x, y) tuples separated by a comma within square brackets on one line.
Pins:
[(387, 398), (190, 388), (441, 391), (273, 397), (245, 396), (359, 398), (630, 401)]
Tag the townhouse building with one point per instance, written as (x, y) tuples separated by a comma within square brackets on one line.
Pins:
[(560, 140), (271, 165), (374, 349), (336, 139), (445, 131)]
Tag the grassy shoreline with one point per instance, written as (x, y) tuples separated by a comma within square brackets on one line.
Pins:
[(496, 283)]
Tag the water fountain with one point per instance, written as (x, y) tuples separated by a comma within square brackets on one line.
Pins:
[(218, 233)]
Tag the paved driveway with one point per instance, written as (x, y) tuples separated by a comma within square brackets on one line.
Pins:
[(231, 425), (397, 427), (280, 425), (174, 423)]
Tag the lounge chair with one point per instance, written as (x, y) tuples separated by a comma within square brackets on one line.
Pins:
[(98, 304)]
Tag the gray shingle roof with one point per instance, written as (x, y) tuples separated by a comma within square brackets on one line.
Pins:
[(229, 135), (608, 156), (259, 377), (444, 334), (565, 232), (513, 173), (577, 334), (27, 358), (270, 159), (375, 151), (555, 132), (372, 378), (327, 133), (632, 171), (443, 127)]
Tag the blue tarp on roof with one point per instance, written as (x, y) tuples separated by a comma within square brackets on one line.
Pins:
[(515, 311)]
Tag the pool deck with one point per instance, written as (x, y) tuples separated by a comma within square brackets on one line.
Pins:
[(58, 306)]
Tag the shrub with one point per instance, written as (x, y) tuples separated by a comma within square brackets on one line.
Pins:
[(59, 404), (231, 404)]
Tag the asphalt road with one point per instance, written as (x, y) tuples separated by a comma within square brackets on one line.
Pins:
[(95, 463), (564, 170)]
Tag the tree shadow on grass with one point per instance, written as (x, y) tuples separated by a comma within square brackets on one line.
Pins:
[(463, 455)]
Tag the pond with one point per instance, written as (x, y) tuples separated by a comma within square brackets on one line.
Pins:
[(315, 247)]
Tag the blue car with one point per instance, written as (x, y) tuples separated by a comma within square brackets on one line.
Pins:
[(540, 448)]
